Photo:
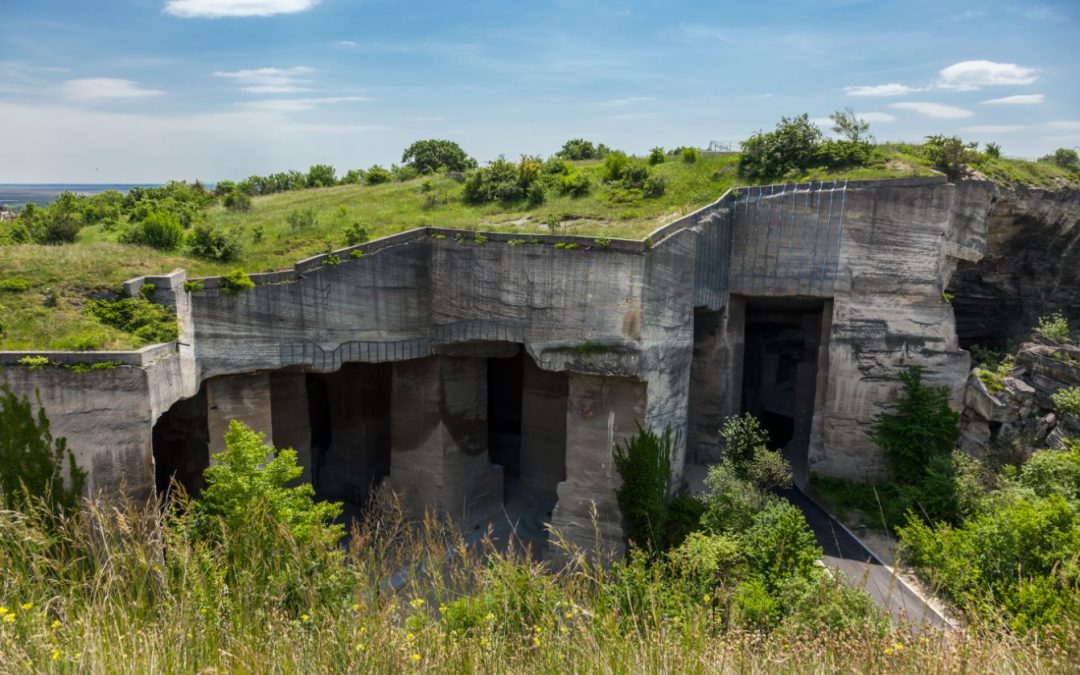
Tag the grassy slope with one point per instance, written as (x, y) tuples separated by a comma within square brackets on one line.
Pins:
[(97, 264)]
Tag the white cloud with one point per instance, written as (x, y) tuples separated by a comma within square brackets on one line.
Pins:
[(269, 80), (629, 100), (634, 116), (347, 43), (699, 31), (100, 88), (299, 104), (937, 110), (971, 75), (1019, 99), (891, 89), (993, 128), (1068, 125), (876, 117), (216, 9)]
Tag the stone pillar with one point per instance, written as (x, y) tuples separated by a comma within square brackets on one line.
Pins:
[(242, 397), (715, 378), (439, 445), (291, 422), (601, 412), (543, 428)]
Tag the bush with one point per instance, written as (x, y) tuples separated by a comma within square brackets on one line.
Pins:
[(656, 156), (237, 201), (742, 437), (793, 145), (684, 515), (160, 230), (145, 320), (1055, 327), (654, 186), (644, 462), (993, 150), (59, 222), (321, 175), (689, 155), (614, 165), (920, 427), (433, 155), (249, 473), (1067, 401), (32, 461), (236, 282), (752, 605), (579, 149), (537, 195), (496, 182), (843, 154), (1050, 472), (575, 184), (730, 501), (212, 243), (302, 219), (377, 175), (356, 234), (950, 155), (780, 545)]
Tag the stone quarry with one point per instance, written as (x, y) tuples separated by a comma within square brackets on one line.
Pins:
[(454, 366)]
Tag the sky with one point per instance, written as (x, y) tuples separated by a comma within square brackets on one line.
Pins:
[(152, 90)]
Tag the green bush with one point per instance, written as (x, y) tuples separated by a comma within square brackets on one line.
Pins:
[(1067, 401), (502, 181), (614, 165), (32, 462), (779, 544), (993, 150), (212, 243), (236, 281), (1050, 472), (237, 201), (302, 219), (377, 175), (689, 155), (579, 148), (1066, 158), (920, 426), (654, 186), (536, 195), (159, 229), (705, 561), (730, 501), (321, 175), (742, 437), (356, 234), (145, 320), (644, 462), (684, 515), (575, 184), (950, 155), (752, 605), (14, 285), (793, 145), (1055, 327)]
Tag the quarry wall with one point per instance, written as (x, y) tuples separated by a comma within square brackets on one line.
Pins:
[(645, 331)]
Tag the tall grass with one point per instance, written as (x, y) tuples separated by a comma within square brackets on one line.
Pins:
[(126, 587)]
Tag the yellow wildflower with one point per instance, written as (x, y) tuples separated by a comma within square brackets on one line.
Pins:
[(356, 607), (707, 598), (56, 655), (56, 623), (27, 606), (305, 618), (9, 618), (489, 617), (416, 603), (415, 658), (536, 641)]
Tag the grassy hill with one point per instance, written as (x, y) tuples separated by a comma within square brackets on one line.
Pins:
[(43, 289)]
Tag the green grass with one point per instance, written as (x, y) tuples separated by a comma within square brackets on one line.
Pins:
[(97, 264)]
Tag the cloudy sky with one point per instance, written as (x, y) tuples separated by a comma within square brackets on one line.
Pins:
[(148, 90)]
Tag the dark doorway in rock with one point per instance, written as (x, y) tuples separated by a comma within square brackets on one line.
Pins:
[(349, 416), (504, 382), (181, 445), (780, 371)]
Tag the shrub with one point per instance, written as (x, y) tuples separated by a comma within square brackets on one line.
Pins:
[(654, 186), (377, 175), (212, 243), (730, 501), (145, 320), (432, 155), (237, 200), (321, 175), (537, 195), (850, 126), (356, 234), (950, 155), (614, 165), (689, 155), (160, 230), (302, 219), (59, 222), (32, 462), (656, 156), (575, 184), (1067, 401), (742, 437), (1054, 327), (579, 148), (235, 282), (792, 145), (993, 150), (921, 426), (705, 561), (644, 462), (14, 285), (752, 605), (843, 154), (1049, 472), (779, 544), (684, 515), (34, 363), (554, 166), (501, 181), (249, 473)]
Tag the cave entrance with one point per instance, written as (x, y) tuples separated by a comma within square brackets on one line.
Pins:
[(181, 445), (505, 377), (780, 372)]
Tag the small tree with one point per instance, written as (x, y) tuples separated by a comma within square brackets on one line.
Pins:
[(644, 462), (321, 175), (237, 200), (950, 155), (434, 154), (31, 460), (920, 427), (852, 128), (1066, 158), (993, 150), (742, 438)]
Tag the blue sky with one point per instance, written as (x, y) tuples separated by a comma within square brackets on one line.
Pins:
[(148, 90)]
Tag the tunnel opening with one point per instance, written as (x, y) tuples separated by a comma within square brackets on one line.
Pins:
[(181, 445), (504, 382), (780, 372)]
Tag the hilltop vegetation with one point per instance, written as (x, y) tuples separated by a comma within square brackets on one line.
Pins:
[(54, 259)]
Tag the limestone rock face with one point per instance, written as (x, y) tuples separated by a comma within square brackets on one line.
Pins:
[(1031, 268)]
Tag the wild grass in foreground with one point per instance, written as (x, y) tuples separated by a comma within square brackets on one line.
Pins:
[(127, 587)]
